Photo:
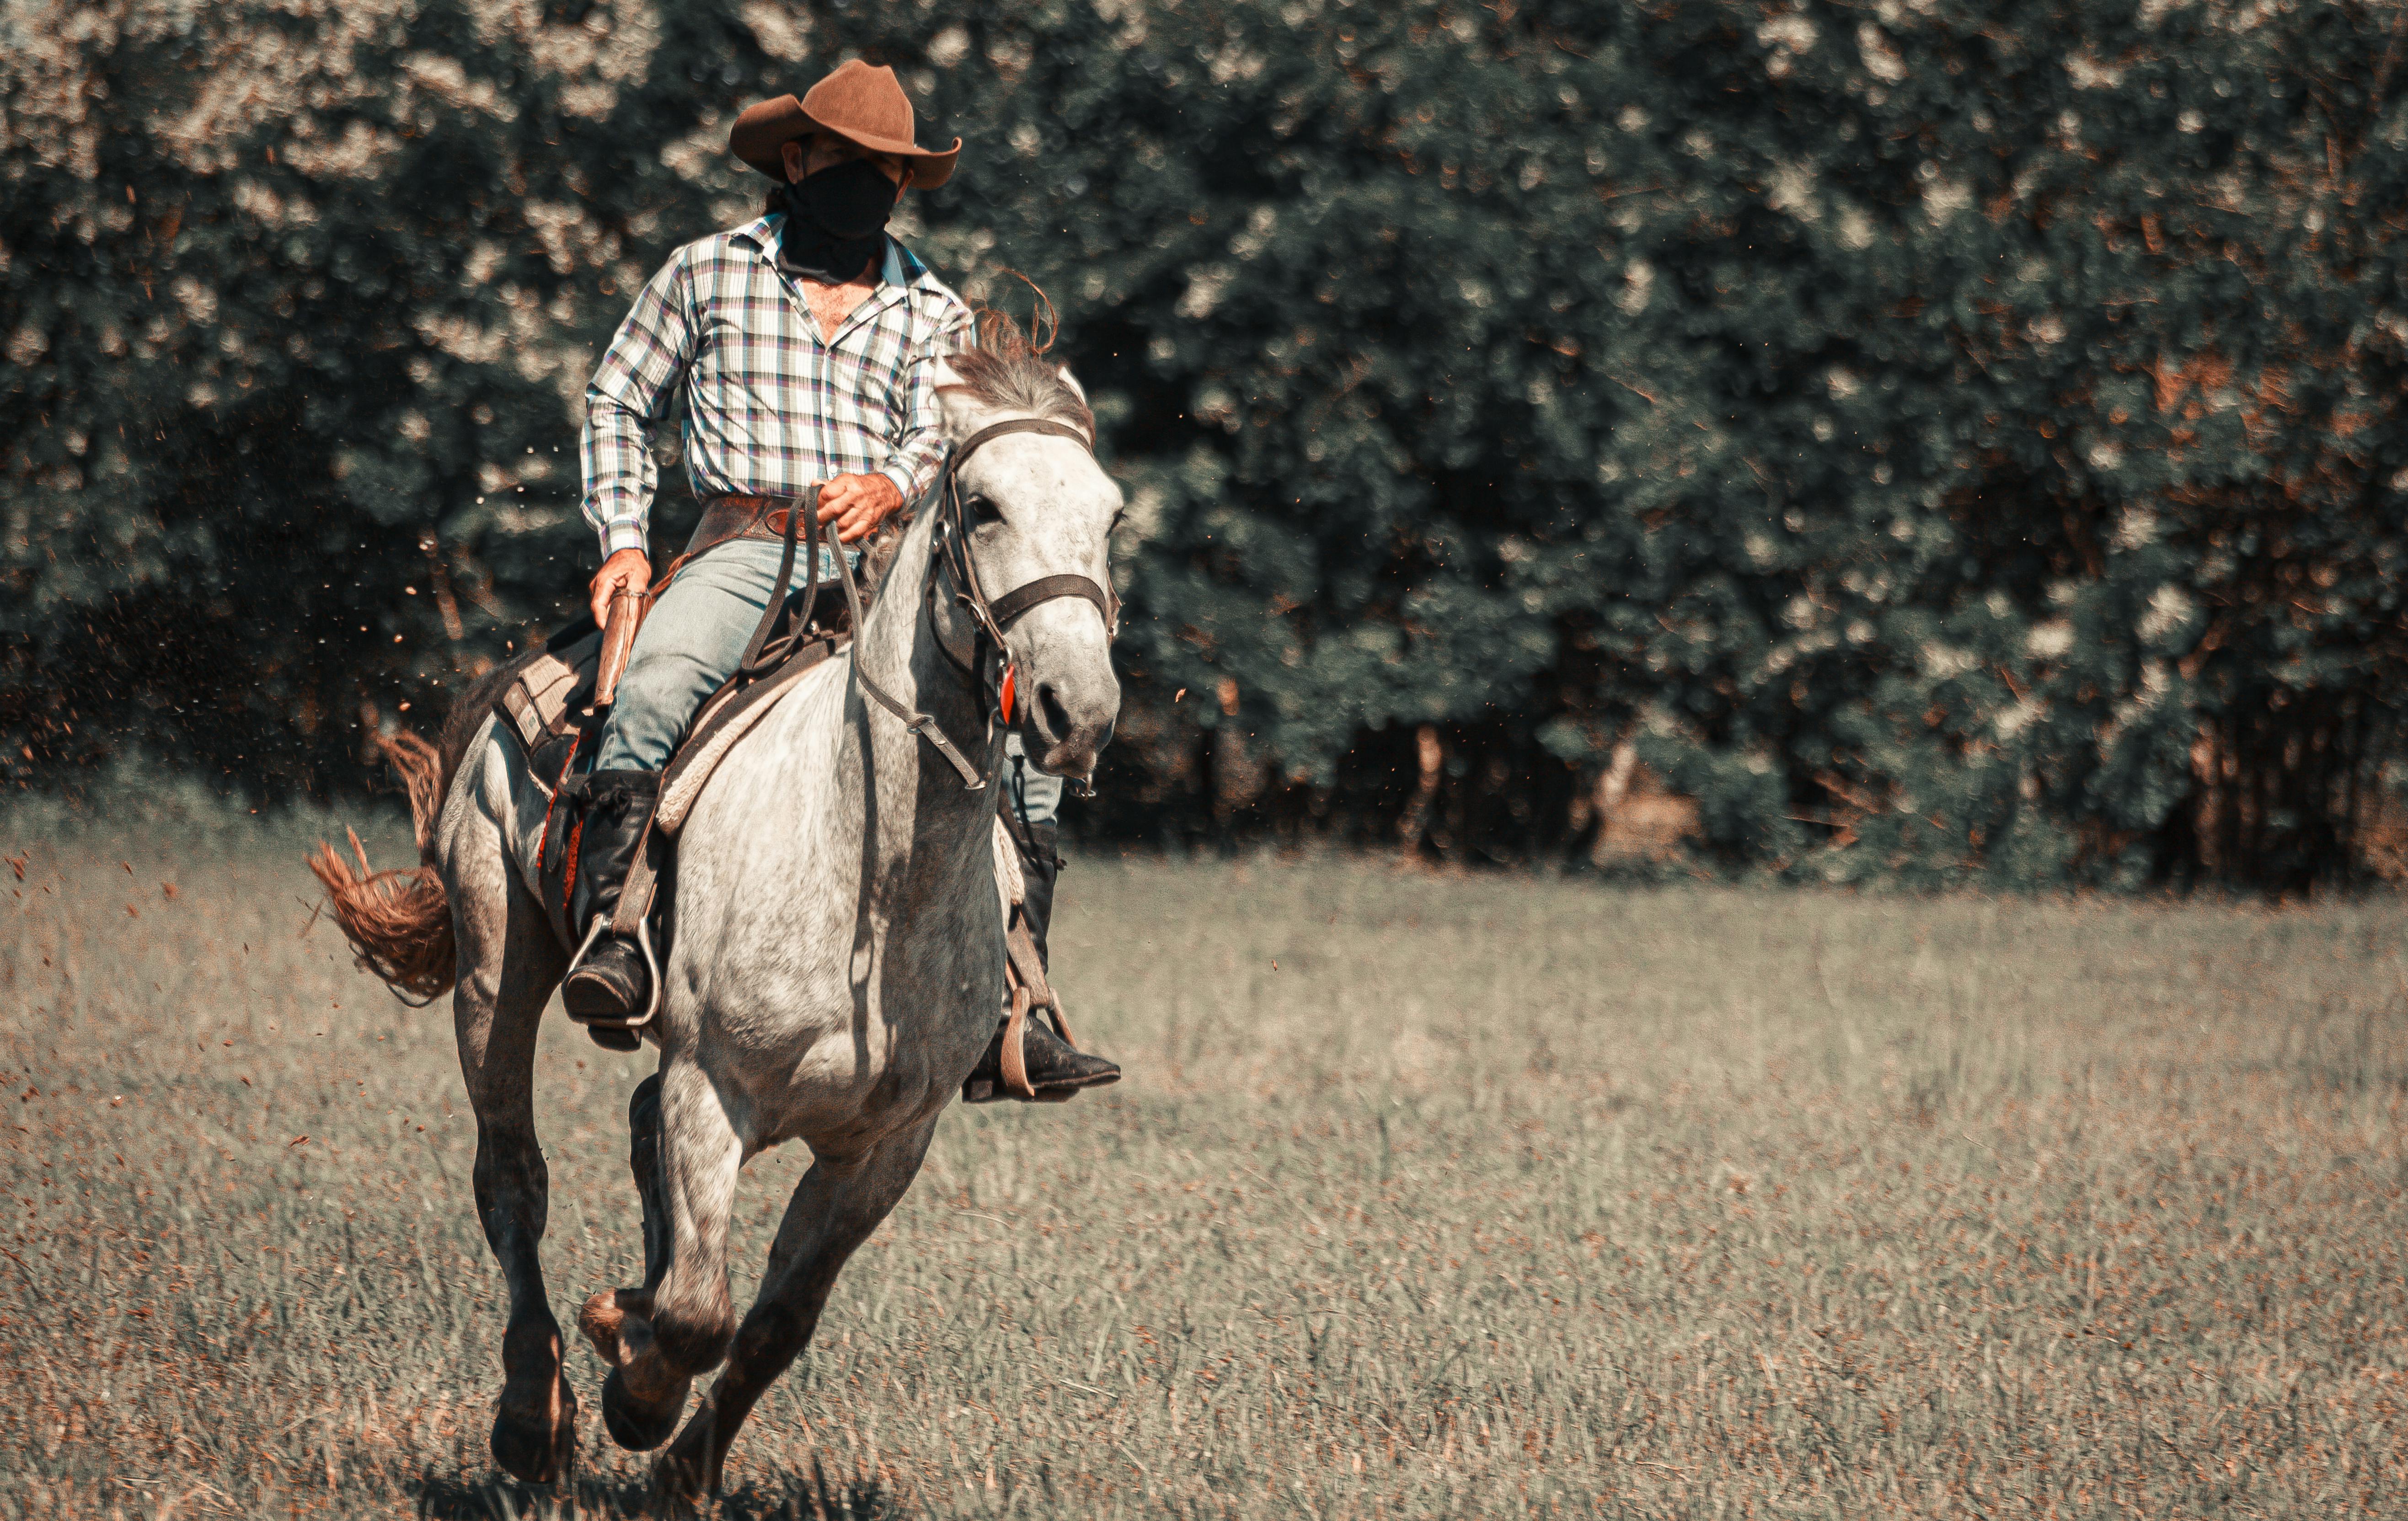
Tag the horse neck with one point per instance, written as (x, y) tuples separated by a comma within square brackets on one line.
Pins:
[(897, 648)]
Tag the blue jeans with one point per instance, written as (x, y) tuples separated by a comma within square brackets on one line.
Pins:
[(689, 646), (1029, 789), (687, 649)]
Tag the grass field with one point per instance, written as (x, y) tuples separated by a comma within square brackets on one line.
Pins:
[(1426, 1197)]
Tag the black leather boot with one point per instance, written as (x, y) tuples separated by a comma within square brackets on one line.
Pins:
[(610, 983), (1056, 1070)]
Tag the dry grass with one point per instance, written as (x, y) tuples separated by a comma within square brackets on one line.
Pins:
[(1426, 1198)]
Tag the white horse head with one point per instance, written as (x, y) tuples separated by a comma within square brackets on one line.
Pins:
[(1037, 505)]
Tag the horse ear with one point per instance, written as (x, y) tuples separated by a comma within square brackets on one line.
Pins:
[(1064, 375)]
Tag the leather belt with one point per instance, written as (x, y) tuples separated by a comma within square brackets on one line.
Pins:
[(735, 516)]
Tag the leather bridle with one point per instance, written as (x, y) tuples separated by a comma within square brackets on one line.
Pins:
[(989, 669)]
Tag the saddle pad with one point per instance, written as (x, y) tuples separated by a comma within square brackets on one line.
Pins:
[(724, 720)]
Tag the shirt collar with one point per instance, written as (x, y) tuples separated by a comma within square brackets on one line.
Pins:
[(900, 268)]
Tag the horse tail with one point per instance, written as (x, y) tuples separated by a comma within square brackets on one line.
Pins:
[(399, 923)]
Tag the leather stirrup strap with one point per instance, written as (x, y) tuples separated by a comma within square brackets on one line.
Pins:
[(636, 893), (1026, 971)]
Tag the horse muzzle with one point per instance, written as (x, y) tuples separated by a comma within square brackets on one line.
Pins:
[(1065, 716)]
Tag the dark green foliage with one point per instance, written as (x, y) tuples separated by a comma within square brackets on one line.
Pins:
[(1944, 440)]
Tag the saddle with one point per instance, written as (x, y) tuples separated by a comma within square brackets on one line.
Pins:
[(548, 708)]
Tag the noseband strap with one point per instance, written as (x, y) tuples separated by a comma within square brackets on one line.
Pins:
[(1008, 608)]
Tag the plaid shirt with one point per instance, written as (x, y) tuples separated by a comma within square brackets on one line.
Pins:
[(771, 408)]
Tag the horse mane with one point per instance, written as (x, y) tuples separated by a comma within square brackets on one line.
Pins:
[(1009, 371)]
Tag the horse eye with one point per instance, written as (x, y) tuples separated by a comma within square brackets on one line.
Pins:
[(982, 510)]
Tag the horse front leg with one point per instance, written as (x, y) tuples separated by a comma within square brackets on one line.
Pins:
[(685, 1155), (836, 1206), (508, 966), (634, 1423)]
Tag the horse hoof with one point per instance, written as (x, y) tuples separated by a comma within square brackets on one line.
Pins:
[(635, 1425), (537, 1446)]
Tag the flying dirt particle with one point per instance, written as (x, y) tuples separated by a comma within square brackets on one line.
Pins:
[(296, 1140)]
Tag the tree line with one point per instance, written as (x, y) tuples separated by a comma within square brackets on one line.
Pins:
[(1937, 441)]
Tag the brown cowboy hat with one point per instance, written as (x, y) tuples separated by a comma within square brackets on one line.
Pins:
[(859, 104)]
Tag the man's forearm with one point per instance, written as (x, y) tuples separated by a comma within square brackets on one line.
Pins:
[(914, 464), (619, 474)]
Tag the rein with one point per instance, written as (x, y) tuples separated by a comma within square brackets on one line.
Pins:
[(950, 551)]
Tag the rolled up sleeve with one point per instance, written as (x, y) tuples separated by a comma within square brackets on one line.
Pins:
[(920, 449), (627, 398)]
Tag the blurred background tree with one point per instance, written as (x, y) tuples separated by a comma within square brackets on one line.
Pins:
[(1941, 442)]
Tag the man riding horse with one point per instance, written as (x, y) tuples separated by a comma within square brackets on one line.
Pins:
[(807, 344)]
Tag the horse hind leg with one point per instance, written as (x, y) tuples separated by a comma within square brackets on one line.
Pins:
[(685, 1155), (634, 1422), (836, 1207), (508, 966)]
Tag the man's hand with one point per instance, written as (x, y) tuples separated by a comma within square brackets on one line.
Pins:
[(631, 568), (857, 504)]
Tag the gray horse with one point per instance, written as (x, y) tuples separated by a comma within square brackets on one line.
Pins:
[(838, 966)]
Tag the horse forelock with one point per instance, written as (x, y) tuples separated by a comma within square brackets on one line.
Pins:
[(1008, 372)]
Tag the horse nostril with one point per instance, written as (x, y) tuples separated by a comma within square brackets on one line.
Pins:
[(1057, 717)]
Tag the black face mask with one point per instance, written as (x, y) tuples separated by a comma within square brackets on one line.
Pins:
[(836, 221)]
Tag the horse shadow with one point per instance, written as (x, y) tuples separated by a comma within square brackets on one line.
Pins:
[(787, 1497)]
